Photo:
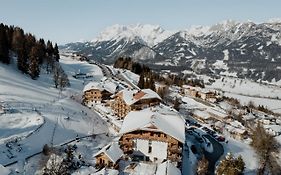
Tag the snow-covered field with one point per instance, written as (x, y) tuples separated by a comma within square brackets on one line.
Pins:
[(37, 114), (245, 150), (245, 91)]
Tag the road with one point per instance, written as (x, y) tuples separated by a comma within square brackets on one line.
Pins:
[(215, 155)]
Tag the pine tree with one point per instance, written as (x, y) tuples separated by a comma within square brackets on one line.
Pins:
[(56, 75), (42, 50), (4, 46), (50, 49), (22, 60), (141, 81), (18, 46), (34, 69), (56, 53)]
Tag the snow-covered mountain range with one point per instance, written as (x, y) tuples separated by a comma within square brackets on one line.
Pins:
[(242, 49)]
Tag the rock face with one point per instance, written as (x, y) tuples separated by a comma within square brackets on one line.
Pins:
[(245, 50)]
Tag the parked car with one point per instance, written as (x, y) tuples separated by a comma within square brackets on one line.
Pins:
[(193, 149), (221, 139), (199, 139)]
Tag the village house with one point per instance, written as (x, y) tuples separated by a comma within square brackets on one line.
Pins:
[(108, 156), (274, 130), (190, 90), (130, 100), (204, 94), (98, 92), (237, 130), (207, 95), (153, 136), (210, 115), (148, 168)]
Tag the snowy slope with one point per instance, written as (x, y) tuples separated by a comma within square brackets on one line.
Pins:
[(37, 114), (246, 90)]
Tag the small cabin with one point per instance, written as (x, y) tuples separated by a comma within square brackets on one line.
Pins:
[(108, 156)]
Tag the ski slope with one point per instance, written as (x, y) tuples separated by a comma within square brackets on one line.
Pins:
[(37, 114)]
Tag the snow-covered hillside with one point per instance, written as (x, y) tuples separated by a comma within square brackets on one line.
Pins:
[(246, 91), (37, 114)]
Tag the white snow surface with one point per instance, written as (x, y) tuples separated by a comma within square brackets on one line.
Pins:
[(246, 90), (4, 171), (30, 101)]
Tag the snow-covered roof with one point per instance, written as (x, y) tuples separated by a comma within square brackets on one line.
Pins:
[(167, 168), (103, 85), (217, 112), (191, 87), (275, 128), (202, 114), (112, 150), (249, 116), (219, 124), (106, 171), (236, 124), (132, 96), (235, 130), (4, 170), (172, 125)]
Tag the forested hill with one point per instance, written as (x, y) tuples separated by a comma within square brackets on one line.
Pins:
[(30, 53)]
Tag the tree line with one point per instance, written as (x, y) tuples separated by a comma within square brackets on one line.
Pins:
[(31, 53), (147, 76)]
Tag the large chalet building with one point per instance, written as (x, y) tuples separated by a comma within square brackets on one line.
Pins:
[(98, 92), (128, 100), (153, 136)]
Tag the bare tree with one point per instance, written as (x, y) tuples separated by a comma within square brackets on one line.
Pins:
[(59, 77), (266, 148), (202, 166)]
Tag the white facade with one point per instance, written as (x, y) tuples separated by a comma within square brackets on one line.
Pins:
[(155, 150), (93, 103)]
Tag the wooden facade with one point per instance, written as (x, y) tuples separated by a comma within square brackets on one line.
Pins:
[(174, 152), (102, 160), (121, 108), (95, 96)]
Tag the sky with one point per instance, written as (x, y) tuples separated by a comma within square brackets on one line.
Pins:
[(64, 21)]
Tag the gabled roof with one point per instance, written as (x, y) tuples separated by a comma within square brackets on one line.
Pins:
[(112, 151), (132, 96), (103, 85), (167, 168), (172, 125)]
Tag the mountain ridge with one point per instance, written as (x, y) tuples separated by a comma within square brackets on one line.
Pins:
[(242, 49)]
